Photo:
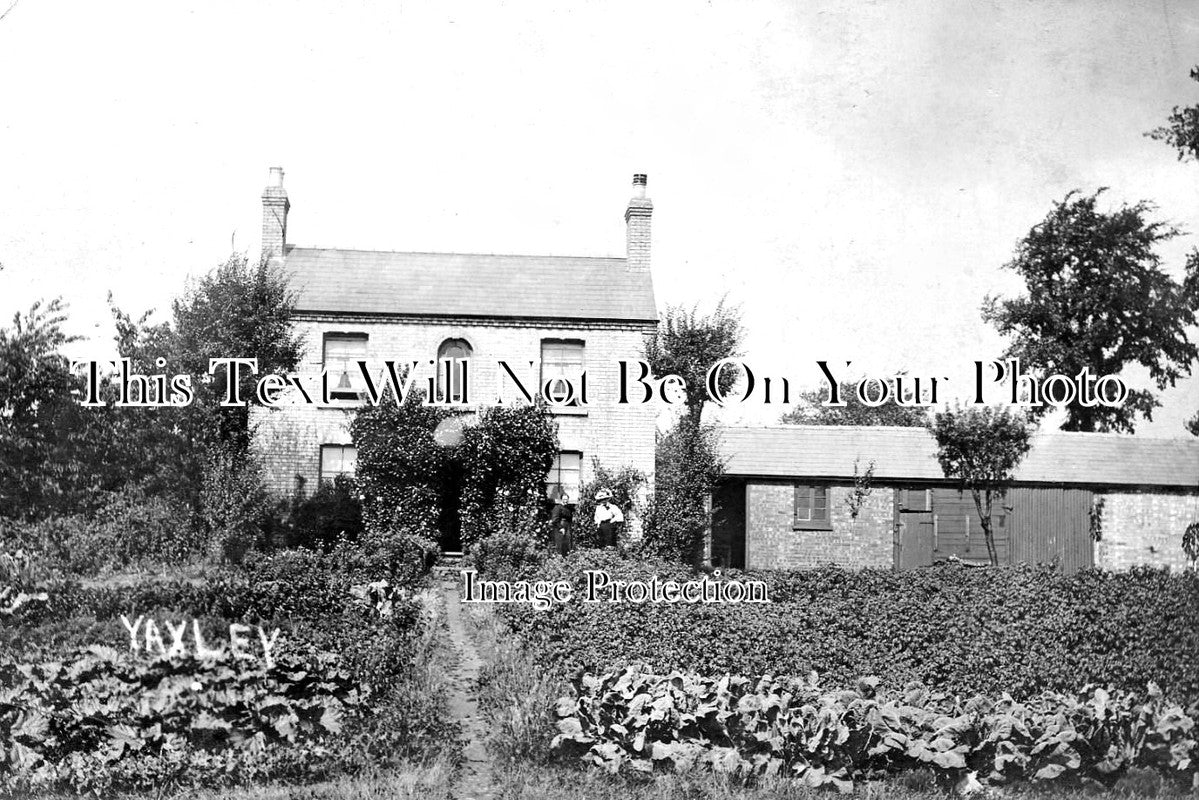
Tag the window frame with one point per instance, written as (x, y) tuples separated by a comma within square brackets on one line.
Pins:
[(356, 387), (574, 406), (574, 492), (448, 394), (812, 522), (321, 476)]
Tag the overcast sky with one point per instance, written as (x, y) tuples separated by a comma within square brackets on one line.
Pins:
[(852, 174)]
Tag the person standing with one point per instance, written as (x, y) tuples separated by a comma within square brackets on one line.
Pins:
[(562, 522), (607, 516)]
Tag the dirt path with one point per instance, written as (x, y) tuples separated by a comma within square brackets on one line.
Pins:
[(474, 782)]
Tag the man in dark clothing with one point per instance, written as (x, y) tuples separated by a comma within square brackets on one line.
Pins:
[(561, 523)]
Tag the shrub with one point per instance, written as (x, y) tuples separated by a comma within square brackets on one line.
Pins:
[(331, 513), (128, 530), (401, 469), (235, 506), (686, 467), (625, 484), (1017, 630), (504, 461), (518, 548)]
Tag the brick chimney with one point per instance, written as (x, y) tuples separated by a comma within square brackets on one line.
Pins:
[(637, 217), (274, 215)]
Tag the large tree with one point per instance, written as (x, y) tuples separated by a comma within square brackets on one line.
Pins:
[(1098, 299), (811, 410), (687, 343), (36, 394), (238, 310), (981, 447), (1182, 133)]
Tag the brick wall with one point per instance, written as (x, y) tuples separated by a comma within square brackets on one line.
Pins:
[(1144, 528), (288, 439), (770, 542)]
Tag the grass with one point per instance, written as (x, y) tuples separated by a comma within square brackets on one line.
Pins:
[(405, 782)]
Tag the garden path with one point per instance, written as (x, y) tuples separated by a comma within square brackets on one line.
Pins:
[(474, 781)]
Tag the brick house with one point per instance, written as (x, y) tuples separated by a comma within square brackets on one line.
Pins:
[(1078, 500), (547, 317)]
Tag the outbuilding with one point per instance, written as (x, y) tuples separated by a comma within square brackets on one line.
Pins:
[(798, 496)]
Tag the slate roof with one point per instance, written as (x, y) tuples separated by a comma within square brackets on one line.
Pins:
[(464, 285), (827, 451)]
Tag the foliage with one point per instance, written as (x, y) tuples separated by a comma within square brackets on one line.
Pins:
[(102, 721), (237, 310), (1020, 630), (981, 448), (1190, 542), (401, 469), (1095, 518), (128, 530), (1099, 300), (1182, 130), (36, 388), (863, 485), (811, 409), (644, 722), (331, 513), (512, 551), (688, 343), (504, 460), (624, 483), (234, 503), (687, 466)]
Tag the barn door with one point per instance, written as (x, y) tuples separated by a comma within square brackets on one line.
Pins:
[(913, 528), (1052, 525)]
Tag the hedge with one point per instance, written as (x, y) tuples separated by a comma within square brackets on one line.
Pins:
[(1021, 630)]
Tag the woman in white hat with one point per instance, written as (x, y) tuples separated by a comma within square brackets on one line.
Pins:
[(607, 517)]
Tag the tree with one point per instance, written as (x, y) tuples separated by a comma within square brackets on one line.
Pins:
[(812, 411), (687, 466), (238, 310), (981, 448), (687, 343), (1182, 133), (36, 392), (1182, 129), (1099, 300)]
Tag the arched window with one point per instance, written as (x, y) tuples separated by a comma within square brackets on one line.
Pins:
[(457, 350)]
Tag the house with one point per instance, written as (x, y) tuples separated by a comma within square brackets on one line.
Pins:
[(546, 317), (1078, 500)]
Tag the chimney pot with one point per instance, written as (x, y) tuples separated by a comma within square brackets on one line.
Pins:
[(275, 206), (637, 223)]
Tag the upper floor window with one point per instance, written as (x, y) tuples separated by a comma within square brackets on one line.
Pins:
[(562, 368), (459, 350), (342, 353), (811, 507), (338, 459), (566, 475)]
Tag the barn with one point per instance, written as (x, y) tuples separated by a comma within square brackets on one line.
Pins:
[(798, 496)]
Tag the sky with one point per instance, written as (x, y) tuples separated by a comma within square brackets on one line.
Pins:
[(852, 175)]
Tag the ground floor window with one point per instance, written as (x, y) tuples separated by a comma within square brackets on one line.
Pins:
[(811, 506), (338, 459), (566, 474)]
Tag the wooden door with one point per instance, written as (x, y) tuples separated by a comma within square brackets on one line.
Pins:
[(913, 528)]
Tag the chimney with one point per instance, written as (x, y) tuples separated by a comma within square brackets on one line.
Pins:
[(636, 218), (274, 215)]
